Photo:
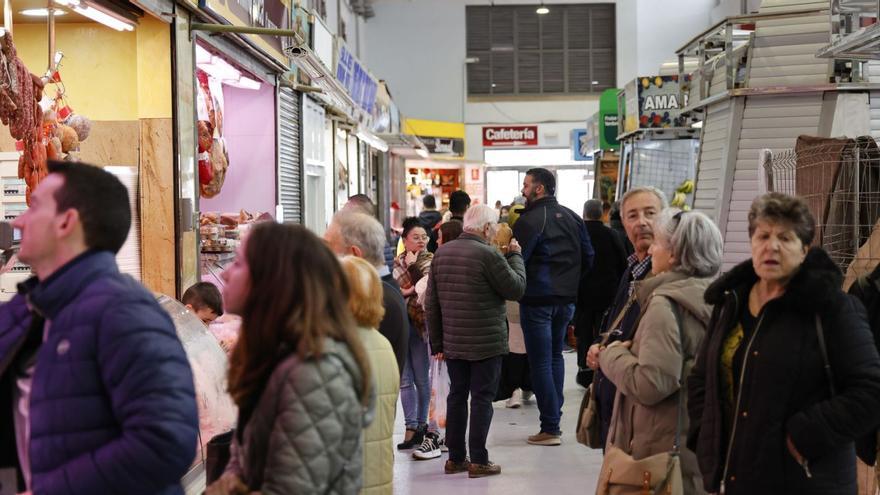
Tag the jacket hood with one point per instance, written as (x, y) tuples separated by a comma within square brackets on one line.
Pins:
[(813, 287), (430, 217), (687, 291)]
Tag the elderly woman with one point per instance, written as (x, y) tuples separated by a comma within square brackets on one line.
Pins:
[(649, 370), (367, 306), (788, 375), (467, 322)]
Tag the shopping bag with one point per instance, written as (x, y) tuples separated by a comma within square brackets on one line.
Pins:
[(439, 393)]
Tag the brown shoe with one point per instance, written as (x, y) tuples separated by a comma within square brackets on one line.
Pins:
[(453, 467), (545, 439), (481, 470)]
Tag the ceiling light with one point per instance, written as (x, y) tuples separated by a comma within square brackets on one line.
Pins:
[(423, 153), (41, 12), (542, 10), (102, 17), (697, 125)]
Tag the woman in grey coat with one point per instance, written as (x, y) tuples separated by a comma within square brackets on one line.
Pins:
[(298, 373)]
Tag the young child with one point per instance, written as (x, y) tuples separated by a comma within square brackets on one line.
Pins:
[(204, 300)]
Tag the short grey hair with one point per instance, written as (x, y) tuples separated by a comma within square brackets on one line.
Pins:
[(644, 189), (694, 240), (477, 217), (365, 232), (593, 209)]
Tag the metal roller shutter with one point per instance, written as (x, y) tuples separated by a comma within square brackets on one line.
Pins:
[(289, 162)]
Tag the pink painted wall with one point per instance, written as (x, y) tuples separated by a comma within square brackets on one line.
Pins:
[(249, 129)]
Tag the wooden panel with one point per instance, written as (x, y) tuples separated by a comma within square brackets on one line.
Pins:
[(109, 143), (157, 205)]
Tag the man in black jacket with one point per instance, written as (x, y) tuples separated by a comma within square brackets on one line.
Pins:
[(557, 253), (361, 235), (595, 294), (430, 219), (639, 206)]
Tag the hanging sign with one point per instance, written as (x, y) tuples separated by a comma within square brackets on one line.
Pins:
[(273, 14), (360, 85), (443, 146), (607, 122), (524, 135), (655, 102), (581, 148)]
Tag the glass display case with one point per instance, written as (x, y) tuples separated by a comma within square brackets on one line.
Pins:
[(217, 412)]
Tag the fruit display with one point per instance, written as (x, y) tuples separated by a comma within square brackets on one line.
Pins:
[(680, 198)]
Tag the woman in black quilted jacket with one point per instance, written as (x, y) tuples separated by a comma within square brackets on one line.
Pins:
[(766, 414)]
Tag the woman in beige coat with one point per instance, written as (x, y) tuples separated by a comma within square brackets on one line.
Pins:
[(647, 371), (367, 308)]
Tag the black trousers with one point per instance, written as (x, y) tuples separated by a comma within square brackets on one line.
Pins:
[(479, 379)]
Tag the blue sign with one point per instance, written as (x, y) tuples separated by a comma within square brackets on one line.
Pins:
[(581, 149), (357, 81)]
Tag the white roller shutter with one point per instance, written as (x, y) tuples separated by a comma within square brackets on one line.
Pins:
[(784, 51), (714, 149), (289, 156), (769, 122)]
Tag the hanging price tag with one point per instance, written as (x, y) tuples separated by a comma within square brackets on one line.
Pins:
[(64, 112)]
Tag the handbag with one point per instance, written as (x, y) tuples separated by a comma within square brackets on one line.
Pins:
[(659, 474), (588, 430)]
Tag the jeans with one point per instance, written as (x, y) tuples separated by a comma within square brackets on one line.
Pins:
[(415, 386), (480, 380), (544, 332)]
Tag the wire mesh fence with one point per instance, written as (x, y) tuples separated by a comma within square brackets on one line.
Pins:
[(840, 181)]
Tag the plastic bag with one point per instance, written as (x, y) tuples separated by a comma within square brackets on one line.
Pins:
[(439, 393)]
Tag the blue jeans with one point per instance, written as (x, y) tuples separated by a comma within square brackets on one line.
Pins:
[(415, 386), (544, 332)]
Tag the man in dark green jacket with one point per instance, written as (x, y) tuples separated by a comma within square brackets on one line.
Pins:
[(470, 281)]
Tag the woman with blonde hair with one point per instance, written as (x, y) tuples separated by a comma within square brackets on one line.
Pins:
[(366, 304), (298, 358)]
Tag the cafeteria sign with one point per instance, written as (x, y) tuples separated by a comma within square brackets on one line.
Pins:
[(510, 136)]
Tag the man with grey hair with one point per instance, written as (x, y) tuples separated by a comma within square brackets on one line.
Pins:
[(638, 208), (361, 235), (467, 322), (594, 296)]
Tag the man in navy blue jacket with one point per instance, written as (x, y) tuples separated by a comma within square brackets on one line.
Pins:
[(96, 393), (557, 251)]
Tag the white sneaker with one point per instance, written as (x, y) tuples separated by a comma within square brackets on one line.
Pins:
[(443, 447), (515, 400), (527, 395)]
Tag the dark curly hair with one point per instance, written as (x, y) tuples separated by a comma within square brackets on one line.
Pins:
[(781, 208)]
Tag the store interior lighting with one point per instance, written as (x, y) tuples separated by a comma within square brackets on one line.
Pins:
[(221, 70), (97, 14), (542, 10), (41, 12)]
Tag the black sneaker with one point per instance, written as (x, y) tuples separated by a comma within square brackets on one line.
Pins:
[(417, 438), (430, 448)]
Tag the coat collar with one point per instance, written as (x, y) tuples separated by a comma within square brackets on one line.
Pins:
[(49, 297), (810, 289), (472, 237), (545, 201)]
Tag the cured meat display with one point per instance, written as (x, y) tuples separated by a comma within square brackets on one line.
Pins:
[(44, 128), (213, 157), (20, 94)]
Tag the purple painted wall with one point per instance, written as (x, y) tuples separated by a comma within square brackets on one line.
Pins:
[(249, 129)]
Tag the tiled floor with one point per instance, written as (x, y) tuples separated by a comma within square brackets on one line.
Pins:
[(526, 469)]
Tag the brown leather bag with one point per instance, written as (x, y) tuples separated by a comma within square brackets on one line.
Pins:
[(587, 430)]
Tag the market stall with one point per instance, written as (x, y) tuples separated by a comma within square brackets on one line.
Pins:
[(658, 144)]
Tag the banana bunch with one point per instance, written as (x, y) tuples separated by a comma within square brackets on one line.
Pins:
[(679, 200)]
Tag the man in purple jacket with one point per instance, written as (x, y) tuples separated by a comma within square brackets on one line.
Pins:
[(96, 393)]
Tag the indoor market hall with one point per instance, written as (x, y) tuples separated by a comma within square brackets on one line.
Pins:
[(416, 247)]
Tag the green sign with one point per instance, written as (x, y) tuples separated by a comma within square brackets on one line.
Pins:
[(608, 120)]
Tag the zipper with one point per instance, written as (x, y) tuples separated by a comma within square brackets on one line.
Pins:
[(742, 375)]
